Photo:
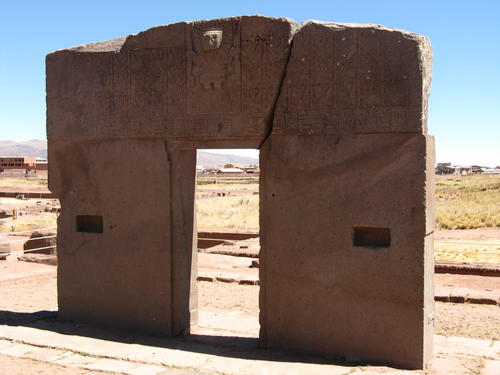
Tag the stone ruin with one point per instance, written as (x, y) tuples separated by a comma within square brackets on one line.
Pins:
[(339, 113)]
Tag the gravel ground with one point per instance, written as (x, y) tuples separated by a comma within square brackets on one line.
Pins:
[(37, 291), (452, 319), (27, 287), (468, 320), (228, 296)]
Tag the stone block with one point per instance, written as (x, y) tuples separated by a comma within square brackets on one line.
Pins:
[(118, 274), (347, 200), (351, 78), (167, 82), (315, 190)]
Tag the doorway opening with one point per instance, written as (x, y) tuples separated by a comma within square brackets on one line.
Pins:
[(227, 222)]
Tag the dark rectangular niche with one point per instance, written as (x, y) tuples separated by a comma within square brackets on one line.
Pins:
[(89, 223), (371, 237)]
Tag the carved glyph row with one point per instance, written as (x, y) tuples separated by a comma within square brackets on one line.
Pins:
[(193, 127), (218, 81), (389, 120)]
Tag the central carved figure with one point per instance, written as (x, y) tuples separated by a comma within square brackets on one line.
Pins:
[(214, 69), (212, 39)]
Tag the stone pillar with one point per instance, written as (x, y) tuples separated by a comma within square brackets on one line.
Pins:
[(124, 119), (347, 198), (321, 290), (114, 238), (184, 238)]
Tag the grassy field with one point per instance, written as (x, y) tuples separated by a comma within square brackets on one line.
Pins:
[(228, 212), (467, 251), (21, 181), (42, 220), (463, 202), (228, 183), (468, 202)]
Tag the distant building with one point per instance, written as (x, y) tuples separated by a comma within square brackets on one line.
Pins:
[(445, 168), (41, 164), (464, 170), (491, 170), (247, 168), (253, 171), (476, 169), (18, 162), (230, 171)]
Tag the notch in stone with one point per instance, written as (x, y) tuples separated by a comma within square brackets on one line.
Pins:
[(371, 237), (89, 223)]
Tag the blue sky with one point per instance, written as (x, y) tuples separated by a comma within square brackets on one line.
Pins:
[(464, 112)]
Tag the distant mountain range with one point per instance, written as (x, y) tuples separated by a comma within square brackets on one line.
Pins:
[(37, 147), (210, 160)]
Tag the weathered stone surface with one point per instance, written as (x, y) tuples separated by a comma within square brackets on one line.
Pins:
[(50, 260), (170, 82), (339, 291), (350, 78), (347, 210), (43, 244), (122, 276), (347, 151)]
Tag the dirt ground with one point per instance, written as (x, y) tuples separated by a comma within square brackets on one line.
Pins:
[(28, 287), (452, 319), (468, 320), (21, 366), (479, 234), (229, 296)]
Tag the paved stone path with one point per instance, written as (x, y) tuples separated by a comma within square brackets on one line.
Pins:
[(37, 337), (226, 343)]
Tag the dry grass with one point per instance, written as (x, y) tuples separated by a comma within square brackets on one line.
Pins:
[(466, 251), (230, 187), (465, 202), (228, 212), (468, 202), (28, 222), (21, 181), (250, 183)]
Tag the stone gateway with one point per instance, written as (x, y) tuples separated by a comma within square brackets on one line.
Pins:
[(339, 113)]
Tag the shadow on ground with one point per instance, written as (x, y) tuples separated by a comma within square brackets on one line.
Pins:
[(225, 346)]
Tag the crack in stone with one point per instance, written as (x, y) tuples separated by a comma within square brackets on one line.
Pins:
[(280, 90)]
